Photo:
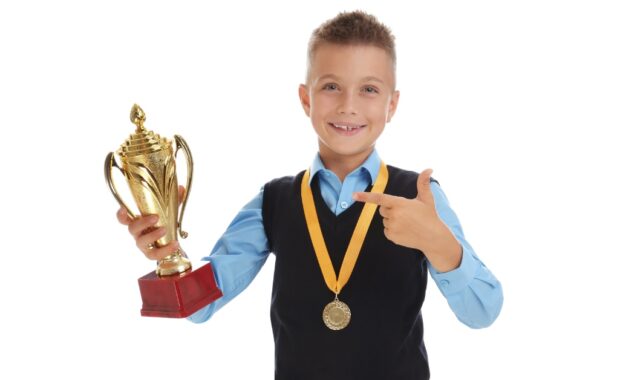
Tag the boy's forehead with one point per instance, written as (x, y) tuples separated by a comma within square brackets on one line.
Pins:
[(358, 61)]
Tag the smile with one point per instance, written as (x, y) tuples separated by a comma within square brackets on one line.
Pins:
[(348, 129)]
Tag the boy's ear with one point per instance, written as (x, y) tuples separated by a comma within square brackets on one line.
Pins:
[(304, 97), (393, 105)]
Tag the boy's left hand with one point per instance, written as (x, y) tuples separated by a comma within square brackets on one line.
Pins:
[(414, 223)]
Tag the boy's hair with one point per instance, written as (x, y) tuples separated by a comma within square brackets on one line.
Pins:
[(353, 28)]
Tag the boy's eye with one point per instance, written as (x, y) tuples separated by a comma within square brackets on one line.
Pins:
[(370, 89), (330, 86)]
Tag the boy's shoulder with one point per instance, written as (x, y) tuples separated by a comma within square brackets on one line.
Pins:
[(288, 180), (398, 174), (399, 180), (403, 182)]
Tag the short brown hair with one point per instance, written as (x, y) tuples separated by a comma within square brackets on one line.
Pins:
[(353, 28)]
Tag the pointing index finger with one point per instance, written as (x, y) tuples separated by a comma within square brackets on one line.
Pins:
[(375, 198)]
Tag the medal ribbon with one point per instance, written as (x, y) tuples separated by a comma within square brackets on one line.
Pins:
[(359, 234)]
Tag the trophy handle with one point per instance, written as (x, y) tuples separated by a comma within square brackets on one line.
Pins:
[(110, 162), (181, 144)]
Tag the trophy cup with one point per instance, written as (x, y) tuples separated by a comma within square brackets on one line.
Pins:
[(148, 164)]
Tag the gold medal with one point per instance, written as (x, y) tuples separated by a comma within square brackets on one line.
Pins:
[(337, 314)]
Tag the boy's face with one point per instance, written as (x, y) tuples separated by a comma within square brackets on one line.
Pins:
[(349, 96)]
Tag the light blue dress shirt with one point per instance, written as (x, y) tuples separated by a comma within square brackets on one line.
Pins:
[(472, 291)]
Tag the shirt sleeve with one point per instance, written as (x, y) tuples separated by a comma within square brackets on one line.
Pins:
[(237, 256), (472, 291)]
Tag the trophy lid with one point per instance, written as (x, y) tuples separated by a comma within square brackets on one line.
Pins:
[(142, 141)]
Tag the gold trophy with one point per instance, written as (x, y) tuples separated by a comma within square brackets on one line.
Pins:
[(148, 165)]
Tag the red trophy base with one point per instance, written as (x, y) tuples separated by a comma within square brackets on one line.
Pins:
[(178, 296)]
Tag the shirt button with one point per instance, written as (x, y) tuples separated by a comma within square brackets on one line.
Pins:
[(344, 204), (445, 284)]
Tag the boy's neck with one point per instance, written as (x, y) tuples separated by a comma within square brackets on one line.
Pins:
[(342, 165)]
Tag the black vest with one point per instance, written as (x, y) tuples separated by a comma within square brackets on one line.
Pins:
[(385, 292)]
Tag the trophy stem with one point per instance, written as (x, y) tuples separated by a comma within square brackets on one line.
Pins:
[(173, 264)]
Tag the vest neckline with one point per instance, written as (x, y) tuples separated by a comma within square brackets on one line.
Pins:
[(324, 208)]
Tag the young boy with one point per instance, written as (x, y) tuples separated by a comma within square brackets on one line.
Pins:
[(345, 304)]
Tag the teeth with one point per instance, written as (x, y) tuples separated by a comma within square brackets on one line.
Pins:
[(344, 127)]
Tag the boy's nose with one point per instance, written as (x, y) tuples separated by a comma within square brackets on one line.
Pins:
[(347, 104)]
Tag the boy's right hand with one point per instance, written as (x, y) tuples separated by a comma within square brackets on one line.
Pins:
[(143, 230)]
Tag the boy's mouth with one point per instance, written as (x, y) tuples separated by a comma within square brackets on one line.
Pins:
[(346, 128)]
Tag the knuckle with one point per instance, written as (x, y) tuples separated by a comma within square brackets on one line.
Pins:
[(134, 227), (152, 235), (398, 213), (141, 246), (140, 227), (120, 215), (144, 241)]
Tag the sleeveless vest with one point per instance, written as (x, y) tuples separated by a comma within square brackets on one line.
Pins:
[(384, 339)]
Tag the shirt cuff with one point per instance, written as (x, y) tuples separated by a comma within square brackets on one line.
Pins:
[(456, 280)]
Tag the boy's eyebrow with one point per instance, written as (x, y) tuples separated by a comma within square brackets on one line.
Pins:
[(371, 78), (327, 76), (365, 79)]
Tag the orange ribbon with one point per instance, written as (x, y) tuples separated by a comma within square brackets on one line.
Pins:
[(359, 234)]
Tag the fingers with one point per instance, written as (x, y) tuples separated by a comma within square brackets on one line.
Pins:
[(142, 228), (385, 212), (388, 234), (123, 216), (145, 241), (376, 198), (425, 194), (386, 223), (160, 253), (139, 225)]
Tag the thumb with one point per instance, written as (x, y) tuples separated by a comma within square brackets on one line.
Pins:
[(425, 193), (122, 216)]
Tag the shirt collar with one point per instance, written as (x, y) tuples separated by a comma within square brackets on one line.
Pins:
[(370, 166)]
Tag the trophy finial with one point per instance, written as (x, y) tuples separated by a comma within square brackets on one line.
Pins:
[(137, 116)]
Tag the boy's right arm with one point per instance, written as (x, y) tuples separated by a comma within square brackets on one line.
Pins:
[(236, 258)]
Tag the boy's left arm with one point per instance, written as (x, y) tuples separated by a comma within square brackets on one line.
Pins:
[(429, 224)]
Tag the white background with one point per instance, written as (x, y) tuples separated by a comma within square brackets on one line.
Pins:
[(513, 104)]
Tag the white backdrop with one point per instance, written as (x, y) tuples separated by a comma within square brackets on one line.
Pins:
[(513, 104)]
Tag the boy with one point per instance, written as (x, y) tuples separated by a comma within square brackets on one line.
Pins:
[(364, 322)]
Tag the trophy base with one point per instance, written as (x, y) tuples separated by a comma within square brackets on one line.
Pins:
[(178, 296)]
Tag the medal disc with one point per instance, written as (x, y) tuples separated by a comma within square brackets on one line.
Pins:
[(336, 315)]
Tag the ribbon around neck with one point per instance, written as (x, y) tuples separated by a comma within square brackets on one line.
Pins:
[(335, 284)]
